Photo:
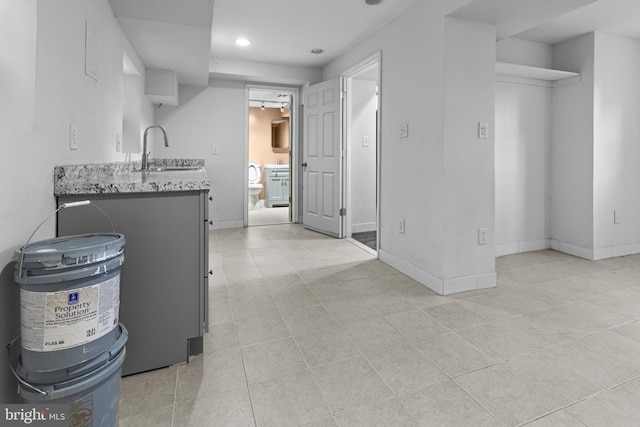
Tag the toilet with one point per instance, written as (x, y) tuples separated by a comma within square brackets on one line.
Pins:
[(254, 184)]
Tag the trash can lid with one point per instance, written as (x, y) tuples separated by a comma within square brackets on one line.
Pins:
[(69, 251)]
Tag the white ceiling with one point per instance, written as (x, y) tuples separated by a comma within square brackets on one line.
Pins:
[(188, 35), (285, 31)]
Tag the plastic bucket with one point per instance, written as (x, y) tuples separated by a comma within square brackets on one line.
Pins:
[(69, 299), (92, 397)]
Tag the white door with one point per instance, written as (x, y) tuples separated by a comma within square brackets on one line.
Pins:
[(322, 159)]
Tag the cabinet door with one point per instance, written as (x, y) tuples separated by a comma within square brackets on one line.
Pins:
[(162, 277), (285, 190)]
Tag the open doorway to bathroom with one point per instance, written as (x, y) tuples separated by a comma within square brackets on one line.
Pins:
[(361, 136), (271, 143)]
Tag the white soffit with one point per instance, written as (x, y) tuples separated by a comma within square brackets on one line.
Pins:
[(170, 35), (515, 16), (618, 17)]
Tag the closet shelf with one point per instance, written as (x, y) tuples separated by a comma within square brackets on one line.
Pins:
[(506, 72)]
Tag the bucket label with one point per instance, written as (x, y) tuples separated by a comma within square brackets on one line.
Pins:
[(59, 320)]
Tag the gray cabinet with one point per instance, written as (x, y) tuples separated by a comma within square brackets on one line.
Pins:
[(164, 279), (276, 186)]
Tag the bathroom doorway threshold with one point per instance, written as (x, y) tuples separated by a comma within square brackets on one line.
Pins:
[(366, 244), (367, 238), (269, 216)]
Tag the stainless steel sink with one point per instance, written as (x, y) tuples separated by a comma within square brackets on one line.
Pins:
[(169, 169)]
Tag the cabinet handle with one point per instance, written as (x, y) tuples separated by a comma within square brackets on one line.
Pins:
[(211, 198), (210, 222), (210, 272)]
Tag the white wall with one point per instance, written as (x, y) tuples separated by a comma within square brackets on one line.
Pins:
[(363, 159), (594, 150), (572, 150), (524, 52), (217, 115), (207, 117), (616, 152), (523, 145), (469, 164), (64, 95), (411, 92), (522, 150), (414, 173), (18, 32)]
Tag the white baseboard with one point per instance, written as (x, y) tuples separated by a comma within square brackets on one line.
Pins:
[(219, 225), (437, 284), (615, 251), (595, 254), (568, 248), (519, 247)]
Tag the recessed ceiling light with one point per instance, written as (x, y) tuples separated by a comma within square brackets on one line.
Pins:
[(243, 42), (372, 2), (317, 51)]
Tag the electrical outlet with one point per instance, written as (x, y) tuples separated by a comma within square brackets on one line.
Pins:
[(616, 217), (483, 130), (365, 141), (73, 137), (483, 236), (401, 224), (404, 130), (215, 149)]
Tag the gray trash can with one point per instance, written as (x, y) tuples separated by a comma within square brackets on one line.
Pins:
[(69, 299)]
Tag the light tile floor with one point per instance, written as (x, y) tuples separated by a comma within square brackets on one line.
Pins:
[(308, 330), (268, 216)]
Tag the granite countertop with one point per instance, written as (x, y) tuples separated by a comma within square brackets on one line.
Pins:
[(108, 178)]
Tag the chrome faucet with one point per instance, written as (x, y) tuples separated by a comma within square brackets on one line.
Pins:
[(145, 155)]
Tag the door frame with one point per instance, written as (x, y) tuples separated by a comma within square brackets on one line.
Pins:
[(375, 59), (293, 145)]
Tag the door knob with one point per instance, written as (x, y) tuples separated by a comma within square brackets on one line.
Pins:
[(304, 165)]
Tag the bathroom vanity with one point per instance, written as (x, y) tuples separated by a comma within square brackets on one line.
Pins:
[(164, 280), (276, 180)]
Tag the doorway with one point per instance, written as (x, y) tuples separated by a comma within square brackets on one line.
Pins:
[(270, 145), (361, 135)]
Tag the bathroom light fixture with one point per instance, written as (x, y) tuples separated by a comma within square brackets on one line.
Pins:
[(317, 51), (373, 2), (243, 42)]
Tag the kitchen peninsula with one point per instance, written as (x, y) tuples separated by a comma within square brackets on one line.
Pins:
[(163, 214)]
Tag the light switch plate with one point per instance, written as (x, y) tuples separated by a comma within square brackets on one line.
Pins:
[(483, 236), (73, 137), (404, 130), (483, 130)]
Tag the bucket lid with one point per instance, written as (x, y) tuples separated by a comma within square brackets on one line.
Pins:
[(68, 252)]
